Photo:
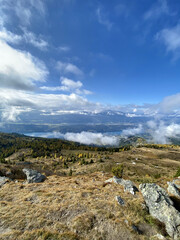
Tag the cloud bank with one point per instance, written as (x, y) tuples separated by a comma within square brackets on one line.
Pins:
[(132, 131), (158, 130), (88, 138)]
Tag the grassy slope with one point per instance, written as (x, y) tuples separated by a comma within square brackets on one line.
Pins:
[(81, 206)]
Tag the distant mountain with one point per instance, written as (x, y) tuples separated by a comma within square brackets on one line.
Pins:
[(82, 117)]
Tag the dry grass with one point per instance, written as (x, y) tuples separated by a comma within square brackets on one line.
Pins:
[(82, 206)]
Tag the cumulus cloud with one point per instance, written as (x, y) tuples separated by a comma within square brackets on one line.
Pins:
[(133, 131), (157, 129), (19, 69), (103, 19), (47, 102), (88, 138), (12, 113), (68, 68), (171, 39), (169, 105), (161, 132), (68, 85)]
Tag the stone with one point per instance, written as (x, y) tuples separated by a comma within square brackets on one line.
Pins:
[(173, 190), (33, 176), (119, 200), (159, 236), (4, 180), (136, 229), (161, 207), (129, 187), (177, 182), (127, 184), (114, 179)]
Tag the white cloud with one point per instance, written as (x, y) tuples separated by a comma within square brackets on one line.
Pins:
[(169, 105), (92, 138), (64, 48), (12, 113), (9, 37), (85, 138), (171, 39), (68, 85), (36, 41), (103, 19), (69, 68), (47, 102), (133, 131), (23, 10), (27, 37), (161, 132), (19, 69), (159, 9)]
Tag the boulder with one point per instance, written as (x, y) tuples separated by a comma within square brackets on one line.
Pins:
[(173, 190), (4, 180), (119, 200), (127, 184), (161, 207), (177, 182), (136, 229), (114, 179), (33, 176), (129, 187)]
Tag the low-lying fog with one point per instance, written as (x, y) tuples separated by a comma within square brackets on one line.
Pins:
[(158, 131)]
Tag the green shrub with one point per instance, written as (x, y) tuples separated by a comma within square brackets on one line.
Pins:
[(91, 161), (70, 172), (118, 171), (177, 173)]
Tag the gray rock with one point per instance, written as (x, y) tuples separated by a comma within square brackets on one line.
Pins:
[(161, 207), (33, 176), (173, 190), (136, 229), (177, 182), (114, 179), (4, 180), (127, 184), (119, 200), (159, 236), (129, 187)]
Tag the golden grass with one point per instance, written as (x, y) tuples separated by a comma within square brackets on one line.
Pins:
[(82, 206)]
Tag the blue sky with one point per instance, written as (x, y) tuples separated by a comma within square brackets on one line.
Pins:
[(75, 55)]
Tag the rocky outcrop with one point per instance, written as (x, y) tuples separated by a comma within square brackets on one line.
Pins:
[(127, 184), (177, 182), (33, 176), (173, 190), (4, 180), (119, 200), (161, 207)]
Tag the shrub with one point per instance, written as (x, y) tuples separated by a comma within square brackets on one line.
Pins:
[(101, 160), (118, 171), (177, 173), (70, 172), (91, 161)]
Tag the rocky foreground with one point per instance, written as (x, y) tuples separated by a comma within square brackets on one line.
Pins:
[(91, 206)]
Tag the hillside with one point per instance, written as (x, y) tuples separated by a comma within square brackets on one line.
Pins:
[(75, 202)]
